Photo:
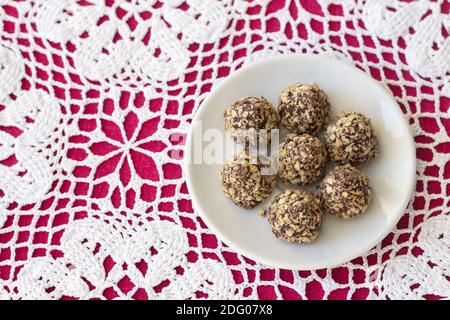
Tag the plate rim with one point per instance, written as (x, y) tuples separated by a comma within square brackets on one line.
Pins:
[(187, 164)]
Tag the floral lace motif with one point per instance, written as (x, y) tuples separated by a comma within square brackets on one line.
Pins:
[(96, 99)]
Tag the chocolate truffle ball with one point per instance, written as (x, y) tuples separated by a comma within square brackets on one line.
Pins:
[(246, 117), (345, 192), (303, 108), (351, 139), (243, 181), (301, 159), (295, 216)]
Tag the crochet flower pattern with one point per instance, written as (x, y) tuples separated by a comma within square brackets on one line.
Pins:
[(128, 41)]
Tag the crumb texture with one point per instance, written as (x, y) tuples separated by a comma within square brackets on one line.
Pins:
[(295, 216), (351, 139), (345, 192), (303, 108), (302, 159), (243, 182), (247, 118)]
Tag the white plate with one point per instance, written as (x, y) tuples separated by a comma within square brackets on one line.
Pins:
[(392, 175)]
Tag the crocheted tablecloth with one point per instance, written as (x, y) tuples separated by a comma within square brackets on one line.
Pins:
[(96, 97)]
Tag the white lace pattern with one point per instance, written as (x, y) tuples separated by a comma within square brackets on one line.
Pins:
[(93, 202)]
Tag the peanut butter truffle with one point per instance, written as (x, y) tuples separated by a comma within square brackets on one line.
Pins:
[(345, 192), (295, 216), (246, 117), (303, 108), (301, 159), (351, 139), (244, 182)]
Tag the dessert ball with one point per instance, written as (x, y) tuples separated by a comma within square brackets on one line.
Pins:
[(295, 216), (246, 117), (351, 139), (303, 108), (345, 192), (243, 182), (301, 159)]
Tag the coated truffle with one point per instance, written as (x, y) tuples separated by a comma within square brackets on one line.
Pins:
[(301, 159), (243, 182), (303, 108), (246, 117), (345, 192), (351, 139), (295, 216)]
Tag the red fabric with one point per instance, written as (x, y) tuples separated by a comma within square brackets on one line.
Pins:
[(145, 166)]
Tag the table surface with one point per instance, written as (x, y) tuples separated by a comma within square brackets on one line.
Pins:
[(96, 99)]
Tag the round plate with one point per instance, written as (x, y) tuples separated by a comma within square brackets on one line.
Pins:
[(392, 174)]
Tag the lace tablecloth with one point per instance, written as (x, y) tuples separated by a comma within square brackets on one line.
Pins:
[(97, 95)]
